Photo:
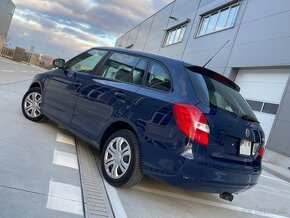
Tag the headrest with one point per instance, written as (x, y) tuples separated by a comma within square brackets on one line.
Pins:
[(124, 75)]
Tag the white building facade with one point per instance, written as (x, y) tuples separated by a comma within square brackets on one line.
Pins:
[(6, 13), (257, 56)]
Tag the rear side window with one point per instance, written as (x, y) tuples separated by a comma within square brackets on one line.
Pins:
[(221, 96), (125, 68), (158, 77)]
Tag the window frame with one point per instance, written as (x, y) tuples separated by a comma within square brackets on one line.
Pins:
[(174, 30), (217, 11)]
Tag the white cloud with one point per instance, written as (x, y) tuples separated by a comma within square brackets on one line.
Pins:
[(61, 40), (65, 28)]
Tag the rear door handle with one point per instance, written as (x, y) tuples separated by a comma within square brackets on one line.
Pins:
[(77, 84)]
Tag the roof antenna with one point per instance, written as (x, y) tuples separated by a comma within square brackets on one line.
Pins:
[(216, 53)]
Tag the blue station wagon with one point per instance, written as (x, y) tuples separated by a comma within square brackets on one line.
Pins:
[(175, 122)]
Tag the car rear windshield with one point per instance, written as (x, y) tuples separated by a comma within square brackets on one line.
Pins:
[(221, 96)]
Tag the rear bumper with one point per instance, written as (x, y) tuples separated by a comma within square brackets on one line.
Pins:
[(212, 176)]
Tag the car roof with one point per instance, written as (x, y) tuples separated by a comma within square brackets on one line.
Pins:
[(144, 54)]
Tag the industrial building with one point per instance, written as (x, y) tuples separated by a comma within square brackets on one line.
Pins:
[(6, 13), (257, 56)]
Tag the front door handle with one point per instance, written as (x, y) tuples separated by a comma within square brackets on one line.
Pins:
[(77, 84), (120, 94)]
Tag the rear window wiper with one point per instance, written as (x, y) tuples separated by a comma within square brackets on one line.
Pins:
[(249, 118)]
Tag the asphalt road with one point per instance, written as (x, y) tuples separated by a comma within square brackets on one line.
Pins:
[(39, 174)]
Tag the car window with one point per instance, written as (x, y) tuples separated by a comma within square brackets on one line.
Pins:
[(123, 67), (222, 97), (226, 98), (86, 62), (139, 71), (158, 77)]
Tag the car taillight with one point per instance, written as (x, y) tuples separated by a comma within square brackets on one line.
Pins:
[(192, 122), (261, 153)]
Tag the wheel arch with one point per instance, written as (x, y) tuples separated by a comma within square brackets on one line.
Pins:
[(35, 85), (113, 127)]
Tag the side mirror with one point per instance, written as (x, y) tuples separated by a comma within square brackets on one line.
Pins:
[(59, 63)]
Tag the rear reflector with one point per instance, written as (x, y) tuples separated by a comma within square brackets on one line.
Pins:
[(261, 153), (192, 122)]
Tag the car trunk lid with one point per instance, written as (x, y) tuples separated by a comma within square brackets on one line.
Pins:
[(235, 133), (228, 135)]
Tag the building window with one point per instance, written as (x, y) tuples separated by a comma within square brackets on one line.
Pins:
[(270, 108), (255, 105), (218, 20), (175, 35), (264, 107)]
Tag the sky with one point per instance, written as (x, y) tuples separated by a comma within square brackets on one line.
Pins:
[(64, 28)]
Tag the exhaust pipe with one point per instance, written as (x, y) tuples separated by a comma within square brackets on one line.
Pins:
[(227, 196)]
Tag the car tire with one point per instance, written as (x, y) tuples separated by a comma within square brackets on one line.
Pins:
[(121, 166), (31, 105)]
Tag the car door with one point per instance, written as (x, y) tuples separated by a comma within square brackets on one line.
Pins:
[(65, 84), (110, 94), (153, 114)]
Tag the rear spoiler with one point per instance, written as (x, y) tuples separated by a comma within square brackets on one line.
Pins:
[(216, 76)]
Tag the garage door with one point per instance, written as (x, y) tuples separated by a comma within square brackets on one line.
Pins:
[(263, 89)]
